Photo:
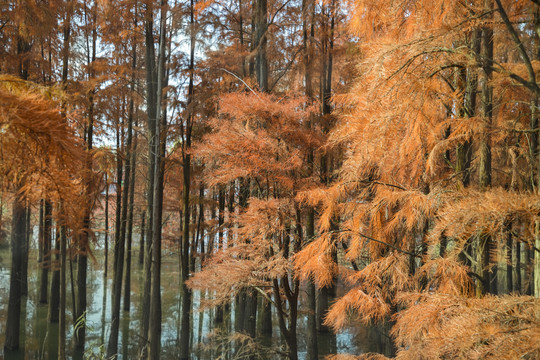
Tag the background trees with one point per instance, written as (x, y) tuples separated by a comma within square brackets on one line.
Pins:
[(395, 159), (432, 184)]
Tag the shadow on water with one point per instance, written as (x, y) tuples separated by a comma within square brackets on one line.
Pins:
[(209, 338)]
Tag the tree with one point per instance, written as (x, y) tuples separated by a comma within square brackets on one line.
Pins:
[(400, 196), (31, 123)]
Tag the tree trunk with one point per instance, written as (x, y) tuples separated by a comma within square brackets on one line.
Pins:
[(106, 240), (221, 221), (127, 289), (464, 151), (63, 287), (18, 237), (141, 243), (260, 27), (45, 244), (154, 327), (151, 107), (118, 263), (308, 10), (54, 303), (129, 189), (185, 291), (26, 252), (485, 243)]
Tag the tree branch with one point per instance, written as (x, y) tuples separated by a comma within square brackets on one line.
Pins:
[(377, 241), (515, 37), (243, 82)]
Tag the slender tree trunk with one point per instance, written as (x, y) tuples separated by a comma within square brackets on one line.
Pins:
[(45, 241), (106, 241), (486, 52), (260, 27), (151, 106), (18, 235), (141, 244), (84, 245), (26, 252), (118, 266), (129, 191), (154, 328), (324, 294), (464, 151), (221, 221), (308, 34), (185, 291), (127, 289), (2, 234), (63, 288), (54, 303)]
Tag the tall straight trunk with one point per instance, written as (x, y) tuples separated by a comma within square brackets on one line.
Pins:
[(266, 317), (308, 34), (516, 266), (18, 237), (54, 303), (80, 310), (250, 316), (84, 246), (200, 233), (142, 234), (128, 195), (63, 288), (221, 220), (531, 279), (151, 107), (327, 41), (129, 235), (63, 236), (154, 327), (485, 243), (118, 263), (45, 242), (185, 290), (464, 151), (260, 27), (106, 240), (57, 304), (1, 219), (26, 252), (119, 258)]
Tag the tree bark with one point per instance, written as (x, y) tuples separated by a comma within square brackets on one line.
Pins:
[(154, 327), (151, 108), (129, 189), (485, 243), (106, 240), (129, 235), (26, 251), (63, 288), (260, 40), (45, 242), (118, 263), (142, 234), (18, 237), (54, 303), (185, 290), (308, 34)]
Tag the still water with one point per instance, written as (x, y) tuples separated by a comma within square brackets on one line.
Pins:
[(209, 341)]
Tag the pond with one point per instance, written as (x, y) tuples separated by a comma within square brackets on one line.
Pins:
[(209, 340)]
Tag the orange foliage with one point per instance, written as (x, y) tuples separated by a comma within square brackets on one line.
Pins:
[(398, 193)]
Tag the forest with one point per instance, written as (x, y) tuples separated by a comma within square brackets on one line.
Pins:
[(269, 179)]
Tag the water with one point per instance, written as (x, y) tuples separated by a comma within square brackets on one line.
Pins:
[(209, 341)]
